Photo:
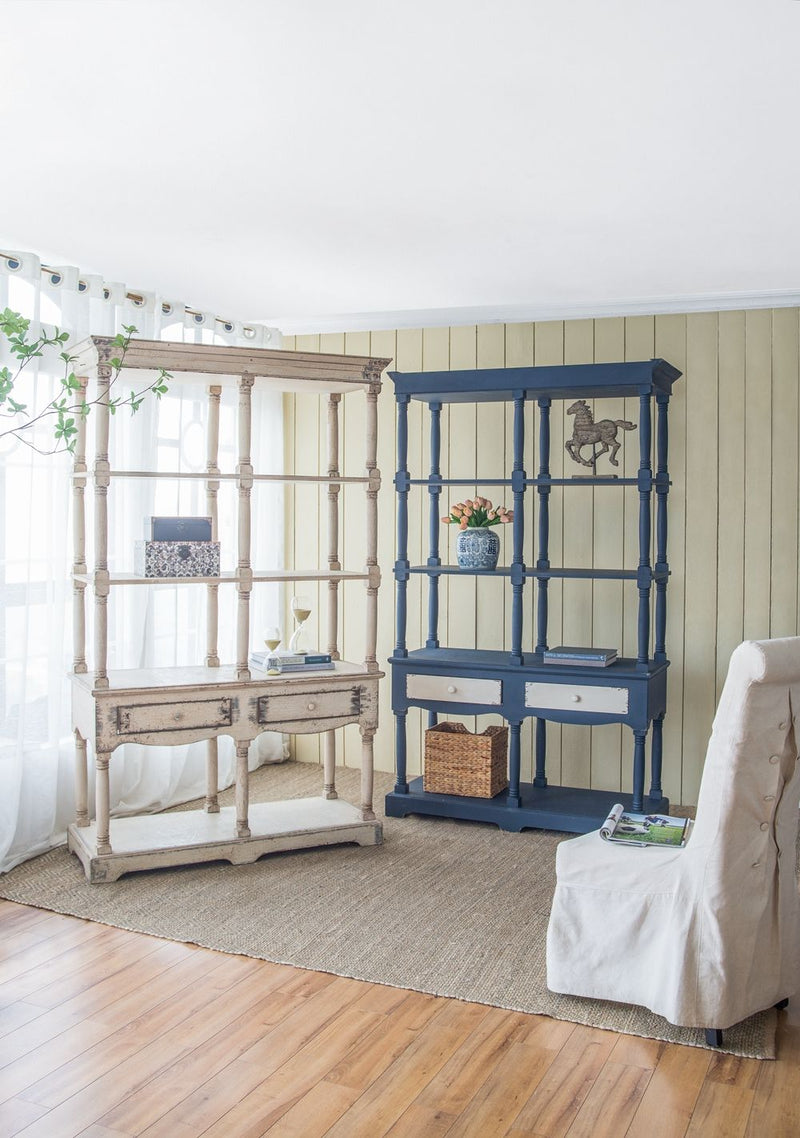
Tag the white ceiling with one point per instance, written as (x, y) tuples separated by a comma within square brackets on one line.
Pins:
[(352, 163)]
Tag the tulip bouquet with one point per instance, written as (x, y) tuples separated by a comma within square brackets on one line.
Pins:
[(477, 513)]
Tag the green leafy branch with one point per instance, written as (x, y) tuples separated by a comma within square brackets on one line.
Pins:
[(70, 405)]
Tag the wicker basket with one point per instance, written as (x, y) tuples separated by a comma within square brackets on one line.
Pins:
[(458, 762)]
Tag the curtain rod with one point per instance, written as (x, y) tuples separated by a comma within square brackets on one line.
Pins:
[(136, 298)]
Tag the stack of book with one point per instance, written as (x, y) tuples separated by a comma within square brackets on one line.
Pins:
[(291, 662), (582, 657)]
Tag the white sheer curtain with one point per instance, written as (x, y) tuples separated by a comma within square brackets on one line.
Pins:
[(149, 625)]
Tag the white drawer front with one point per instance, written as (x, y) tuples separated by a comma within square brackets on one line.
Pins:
[(454, 689), (577, 697)]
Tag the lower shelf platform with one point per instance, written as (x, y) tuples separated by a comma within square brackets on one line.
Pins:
[(189, 837), (564, 808)]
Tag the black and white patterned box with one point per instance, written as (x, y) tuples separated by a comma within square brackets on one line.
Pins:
[(176, 558)]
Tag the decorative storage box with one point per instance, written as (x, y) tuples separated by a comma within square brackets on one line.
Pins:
[(458, 762), (179, 529), (176, 558)]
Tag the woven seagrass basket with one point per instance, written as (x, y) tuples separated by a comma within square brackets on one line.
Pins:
[(458, 762)]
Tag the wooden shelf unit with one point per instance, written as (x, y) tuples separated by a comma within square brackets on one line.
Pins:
[(518, 684), (175, 706)]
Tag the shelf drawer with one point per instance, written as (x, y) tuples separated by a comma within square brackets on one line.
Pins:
[(340, 704), (148, 718), (577, 697), (454, 689)]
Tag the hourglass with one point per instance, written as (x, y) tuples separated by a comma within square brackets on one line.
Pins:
[(301, 609), (272, 639)]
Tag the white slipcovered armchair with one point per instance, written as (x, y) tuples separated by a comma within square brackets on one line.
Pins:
[(709, 934)]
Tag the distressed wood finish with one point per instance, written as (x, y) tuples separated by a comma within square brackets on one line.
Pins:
[(175, 706)]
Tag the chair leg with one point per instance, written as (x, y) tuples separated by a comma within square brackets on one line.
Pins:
[(781, 1004), (713, 1037)]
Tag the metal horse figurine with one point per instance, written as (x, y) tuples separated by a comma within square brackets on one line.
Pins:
[(586, 432)]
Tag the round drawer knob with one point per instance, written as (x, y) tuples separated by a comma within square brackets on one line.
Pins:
[(575, 698), (451, 688), (311, 706)]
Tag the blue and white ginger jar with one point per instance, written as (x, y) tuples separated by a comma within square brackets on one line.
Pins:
[(477, 548)]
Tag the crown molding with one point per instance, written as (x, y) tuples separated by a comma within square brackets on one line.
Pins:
[(522, 313)]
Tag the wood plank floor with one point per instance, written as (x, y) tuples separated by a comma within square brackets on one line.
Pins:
[(107, 1034)]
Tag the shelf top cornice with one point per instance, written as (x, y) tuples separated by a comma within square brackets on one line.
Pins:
[(284, 370), (562, 381)]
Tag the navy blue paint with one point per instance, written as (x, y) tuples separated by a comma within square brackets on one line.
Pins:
[(565, 809), (543, 492), (662, 492), (514, 765), (639, 740), (645, 576), (434, 490), (540, 778), (518, 524), (644, 679), (656, 751), (401, 782), (401, 566), (585, 381)]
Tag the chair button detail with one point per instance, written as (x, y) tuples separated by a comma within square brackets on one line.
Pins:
[(774, 759), (783, 726), (769, 797), (756, 864), (764, 826)]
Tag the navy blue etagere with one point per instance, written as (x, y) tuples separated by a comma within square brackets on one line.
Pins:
[(517, 684)]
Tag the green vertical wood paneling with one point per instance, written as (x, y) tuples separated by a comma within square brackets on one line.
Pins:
[(733, 518), (784, 487)]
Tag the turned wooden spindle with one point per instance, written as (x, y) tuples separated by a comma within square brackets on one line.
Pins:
[(102, 479), (244, 569), (79, 664), (373, 486)]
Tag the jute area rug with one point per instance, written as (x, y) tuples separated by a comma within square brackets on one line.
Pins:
[(443, 906)]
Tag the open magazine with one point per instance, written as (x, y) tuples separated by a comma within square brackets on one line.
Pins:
[(645, 829)]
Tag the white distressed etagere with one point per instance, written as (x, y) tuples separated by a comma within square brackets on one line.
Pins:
[(174, 706)]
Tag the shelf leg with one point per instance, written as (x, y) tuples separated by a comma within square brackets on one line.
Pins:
[(640, 738), (242, 789), (433, 719), (102, 801), (212, 776), (212, 491), (656, 751), (540, 778), (514, 764), (401, 783), (367, 737), (329, 764), (81, 781)]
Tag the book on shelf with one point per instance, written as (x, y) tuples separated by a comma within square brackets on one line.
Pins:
[(287, 658), (264, 665), (644, 829), (588, 657)]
